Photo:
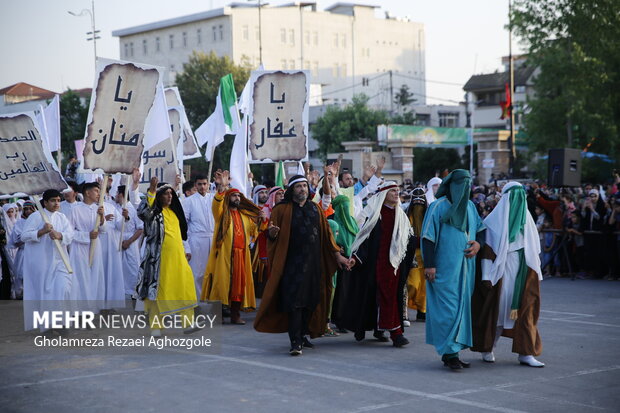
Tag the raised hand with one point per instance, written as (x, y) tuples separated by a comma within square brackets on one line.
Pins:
[(153, 184), (135, 178)]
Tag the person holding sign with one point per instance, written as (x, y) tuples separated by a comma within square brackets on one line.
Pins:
[(130, 248), (89, 282), (45, 275), (165, 280)]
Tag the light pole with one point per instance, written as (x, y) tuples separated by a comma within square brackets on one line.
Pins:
[(94, 32), (260, 34)]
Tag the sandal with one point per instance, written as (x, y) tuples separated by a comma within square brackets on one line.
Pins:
[(330, 333)]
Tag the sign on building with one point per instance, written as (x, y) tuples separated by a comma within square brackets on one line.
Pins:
[(278, 124)]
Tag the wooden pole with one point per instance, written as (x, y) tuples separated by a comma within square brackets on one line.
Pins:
[(63, 254), (126, 194), (93, 242)]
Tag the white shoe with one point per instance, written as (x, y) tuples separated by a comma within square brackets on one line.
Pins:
[(488, 357), (530, 361), (406, 323), (156, 333)]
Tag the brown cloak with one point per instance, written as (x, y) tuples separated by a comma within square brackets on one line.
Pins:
[(269, 319), (485, 310)]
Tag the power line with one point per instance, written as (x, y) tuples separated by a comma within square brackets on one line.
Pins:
[(429, 81)]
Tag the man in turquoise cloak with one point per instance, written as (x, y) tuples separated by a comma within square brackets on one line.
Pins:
[(452, 234)]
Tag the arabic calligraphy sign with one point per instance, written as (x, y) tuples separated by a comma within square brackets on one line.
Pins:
[(25, 165), (160, 161), (124, 95), (279, 116), (190, 146)]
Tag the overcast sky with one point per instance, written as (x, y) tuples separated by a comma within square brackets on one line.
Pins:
[(44, 45)]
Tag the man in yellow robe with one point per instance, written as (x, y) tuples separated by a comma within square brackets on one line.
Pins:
[(416, 284), (228, 277)]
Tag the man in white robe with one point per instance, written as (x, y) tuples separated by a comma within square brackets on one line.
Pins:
[(131, 244), (16, 242), (200, 226), (70, 199), (89, 280), (45, 276)]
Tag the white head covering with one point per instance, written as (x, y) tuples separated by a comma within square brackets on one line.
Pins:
[(430, 195), (255, 192), (10, 222), (402, 228), (497, 238)]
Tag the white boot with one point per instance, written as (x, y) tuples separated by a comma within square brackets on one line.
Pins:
[(488, 357), (530, 361)]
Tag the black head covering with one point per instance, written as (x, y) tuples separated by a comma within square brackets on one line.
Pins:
[(288, 194), (175, 206)]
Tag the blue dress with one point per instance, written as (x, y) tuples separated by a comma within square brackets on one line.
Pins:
[(448, 298)]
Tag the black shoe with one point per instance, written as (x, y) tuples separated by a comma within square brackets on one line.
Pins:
[(225, 311), (341, 330), (453, 363), (306, 343), (465, 364), (359, 335), (295, 350), (420, 316), (400, 341), (379, 336)]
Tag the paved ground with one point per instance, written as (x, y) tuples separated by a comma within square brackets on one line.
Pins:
[(580, 328)]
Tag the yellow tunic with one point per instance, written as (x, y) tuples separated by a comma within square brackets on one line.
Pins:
[(416, 285), (176, 292), (217, 278)]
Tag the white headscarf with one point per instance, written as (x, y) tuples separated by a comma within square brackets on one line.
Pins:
[(255, 192), (430, 195), (497, 238), (402, 228), (10, 222)]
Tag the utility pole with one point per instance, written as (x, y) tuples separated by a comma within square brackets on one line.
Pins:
[(260, 35), (391, 95), (511, 143), (469, 110), (94, 33)]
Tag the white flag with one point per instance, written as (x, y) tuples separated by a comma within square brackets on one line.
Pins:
[(52, 124), (239, 160), (157, 128)]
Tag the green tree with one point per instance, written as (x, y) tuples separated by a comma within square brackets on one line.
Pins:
[(198, 85), (403, 98), (73, 116), (575, 45), (355, 122), (429, 162)]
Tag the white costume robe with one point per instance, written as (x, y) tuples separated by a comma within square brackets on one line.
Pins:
[(17, 284), (113, 259), (200, 226), (45, 275), (89, 281), (131, 256)]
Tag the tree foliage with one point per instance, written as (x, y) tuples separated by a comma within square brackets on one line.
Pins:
[(354, 122), (403, 98), (198, 85), (73, 117), (576, 46), (429, 162)]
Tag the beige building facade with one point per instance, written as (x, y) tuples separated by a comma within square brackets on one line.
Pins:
[(346, 48)]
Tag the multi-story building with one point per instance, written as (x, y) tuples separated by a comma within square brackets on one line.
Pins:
[(346, 48)]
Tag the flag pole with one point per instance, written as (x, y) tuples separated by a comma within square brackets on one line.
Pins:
[(512, 146), (126, 194), (93, 242)]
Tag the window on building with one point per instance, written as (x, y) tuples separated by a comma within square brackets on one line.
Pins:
[(157, 44), (315, 38), (126, 49), (214, 33), (315, 68), (144, 47), (448, 119), (131, 49), (283, 35), (171, 38), (199, 36), (291, 37), (184, 39), (422, 119), (343, 40), (335, 37), (221, 32), (245, 33), (283, 64), (291, 64)]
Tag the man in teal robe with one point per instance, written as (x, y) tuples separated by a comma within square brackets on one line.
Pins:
[(452, 233)]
